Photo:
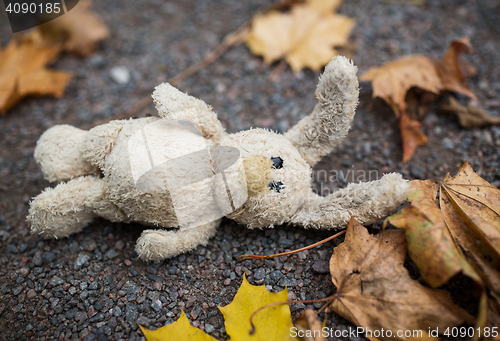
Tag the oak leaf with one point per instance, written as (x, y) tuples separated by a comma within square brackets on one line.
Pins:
[(23, 72), (179, 330), (453, 226), (469, 116), (305, 36), (375, 291), (79, 31), (271, 324)]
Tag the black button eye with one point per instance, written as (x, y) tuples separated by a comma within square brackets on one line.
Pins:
[(277, 162), (276, 186)]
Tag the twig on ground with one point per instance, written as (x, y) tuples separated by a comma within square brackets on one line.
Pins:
[(231, 39), (246, 257)]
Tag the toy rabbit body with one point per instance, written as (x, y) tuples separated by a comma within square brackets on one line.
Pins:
[(277, 170)]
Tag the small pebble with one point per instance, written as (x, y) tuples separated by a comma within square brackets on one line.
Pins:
[(81, 261), (120, 74), (111, 254), (321, 266)]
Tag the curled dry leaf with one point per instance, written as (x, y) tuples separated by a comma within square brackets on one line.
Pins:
[(393, 81), (79, 30), (470, 116), (375, 291), (271, 324), (310, 326), (23, 72), (450, 70), (305, 36), (453, 226), (179, 330)]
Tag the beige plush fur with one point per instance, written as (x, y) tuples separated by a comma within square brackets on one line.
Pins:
[(182, 171)]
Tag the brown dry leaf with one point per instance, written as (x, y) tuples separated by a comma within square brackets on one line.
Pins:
[(375, 291), (79, 30), (23, 72), (456, 231), (418, 103), (450, 70), (392, 80), (470, 116), (430, 242), (411, 135), (310, 326), (304, 36)]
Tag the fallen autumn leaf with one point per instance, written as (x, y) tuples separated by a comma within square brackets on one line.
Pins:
[(470, 116), (304, 37), (23, 72), (271, 324), (375, 291), (79, 30), (453, 226), (179, 330), (393, 81), (450, 71)]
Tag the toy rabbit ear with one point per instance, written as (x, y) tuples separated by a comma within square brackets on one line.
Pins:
[(337, 93)]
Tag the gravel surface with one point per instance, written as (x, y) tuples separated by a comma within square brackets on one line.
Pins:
[(92, 286)]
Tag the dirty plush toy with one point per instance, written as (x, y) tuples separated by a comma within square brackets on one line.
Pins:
[(98, 166)]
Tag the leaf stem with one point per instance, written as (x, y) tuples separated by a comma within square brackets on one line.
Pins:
[(246, 257)]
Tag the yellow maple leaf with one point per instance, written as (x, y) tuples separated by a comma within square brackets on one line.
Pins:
[(271, 323), (23, 72), (304, 37), (179, 330)]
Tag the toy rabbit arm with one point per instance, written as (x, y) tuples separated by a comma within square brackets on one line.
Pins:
[(173, 104), (368, 202), (337, 93)]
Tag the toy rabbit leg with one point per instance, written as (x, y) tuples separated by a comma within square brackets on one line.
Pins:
[(155, 245), (69, 207)]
